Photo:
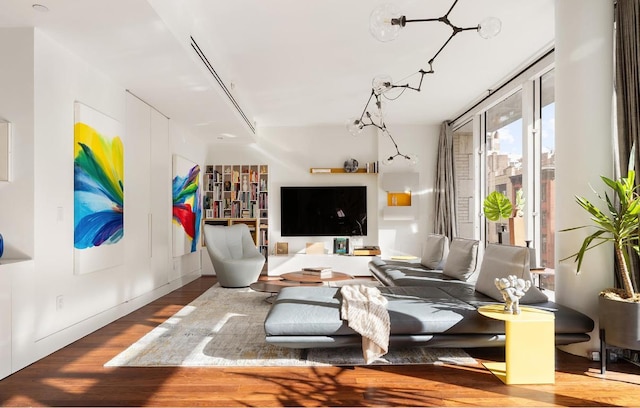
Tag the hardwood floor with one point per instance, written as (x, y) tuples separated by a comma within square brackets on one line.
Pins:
[(75, 376)]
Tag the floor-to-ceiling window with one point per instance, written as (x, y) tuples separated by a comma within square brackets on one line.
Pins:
[(503, 157), (547, 177), (506, 143)]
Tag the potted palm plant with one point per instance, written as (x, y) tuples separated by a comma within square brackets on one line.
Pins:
[(618, 309)]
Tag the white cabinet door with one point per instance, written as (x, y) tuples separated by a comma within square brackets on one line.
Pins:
[(137, 195), (5, 320)]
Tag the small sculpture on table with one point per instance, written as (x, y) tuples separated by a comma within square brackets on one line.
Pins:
[(512, 289)]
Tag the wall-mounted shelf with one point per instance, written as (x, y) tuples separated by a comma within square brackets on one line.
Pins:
[(335, 170), (399, 187), (402, 199)]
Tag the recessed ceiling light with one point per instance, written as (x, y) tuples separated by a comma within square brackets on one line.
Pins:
[(40, 7), (228, 135)]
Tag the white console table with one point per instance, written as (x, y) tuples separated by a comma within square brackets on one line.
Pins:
[(353, 265)]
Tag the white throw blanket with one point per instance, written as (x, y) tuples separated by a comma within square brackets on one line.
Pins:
[(365, 310)]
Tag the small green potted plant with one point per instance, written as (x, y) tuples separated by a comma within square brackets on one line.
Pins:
[(497, 207), (618, 309)]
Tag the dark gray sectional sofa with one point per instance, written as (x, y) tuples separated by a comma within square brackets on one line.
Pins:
[(436, 308)]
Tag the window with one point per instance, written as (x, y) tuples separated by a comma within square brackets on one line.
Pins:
[(503, 156), (547, 177), (506, 143), (463, 162)]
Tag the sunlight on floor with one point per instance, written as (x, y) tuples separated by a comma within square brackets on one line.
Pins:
[(76, 386)]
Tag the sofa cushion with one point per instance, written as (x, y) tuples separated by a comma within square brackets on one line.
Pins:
[(434, 251), (409, 277), (395, 273), (315, 311), (500, 261), (462, 259)]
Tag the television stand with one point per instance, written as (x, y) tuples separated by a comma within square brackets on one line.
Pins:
[(353, 265)]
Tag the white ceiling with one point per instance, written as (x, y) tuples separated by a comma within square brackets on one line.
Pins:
[(290, 63)]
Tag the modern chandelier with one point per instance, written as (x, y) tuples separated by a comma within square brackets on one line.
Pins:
[(376, 119), (385, 24)]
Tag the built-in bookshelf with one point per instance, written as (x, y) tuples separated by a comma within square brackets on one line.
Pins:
[(239, 193)]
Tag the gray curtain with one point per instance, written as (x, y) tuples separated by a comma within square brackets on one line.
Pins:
[(627, 83), (445, 208)]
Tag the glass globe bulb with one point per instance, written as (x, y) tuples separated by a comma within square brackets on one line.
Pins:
[(381, 83), (355, 126), (388, 161), (376, 114), (413, 159), (380, 22), (489, 27)]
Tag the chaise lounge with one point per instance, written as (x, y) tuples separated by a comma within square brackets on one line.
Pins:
[(427, 307)]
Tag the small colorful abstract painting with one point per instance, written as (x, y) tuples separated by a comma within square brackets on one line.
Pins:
[(98, 191), (187, 208)]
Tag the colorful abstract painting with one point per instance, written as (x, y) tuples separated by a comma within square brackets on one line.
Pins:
[(187, 208), (98, 191)]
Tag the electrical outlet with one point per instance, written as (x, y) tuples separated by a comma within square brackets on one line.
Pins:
[(594, 355), (59, 302)]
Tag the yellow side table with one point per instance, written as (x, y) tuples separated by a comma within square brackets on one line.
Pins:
[(529, 348)]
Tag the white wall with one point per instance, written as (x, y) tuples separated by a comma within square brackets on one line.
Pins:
[(17, 107), (584, 94), (291, 151), (406, 236), (44, 80)]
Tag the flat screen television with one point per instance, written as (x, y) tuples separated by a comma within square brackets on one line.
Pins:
[(323, 211)]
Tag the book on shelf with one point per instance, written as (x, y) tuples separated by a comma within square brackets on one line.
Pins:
[(366, 250), (372, 167), (209, 182), (322, 271)]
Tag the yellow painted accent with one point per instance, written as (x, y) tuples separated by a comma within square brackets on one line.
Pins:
[(529, 348), (402, 199), (107, 150)]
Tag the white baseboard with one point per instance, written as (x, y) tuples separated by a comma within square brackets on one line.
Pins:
[(56, 341)]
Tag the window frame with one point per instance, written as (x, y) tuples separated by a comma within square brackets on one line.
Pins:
[(529, 82)]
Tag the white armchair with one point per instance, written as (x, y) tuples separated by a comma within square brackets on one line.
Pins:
[(235, 258)]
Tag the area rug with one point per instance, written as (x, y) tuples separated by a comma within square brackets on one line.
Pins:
[(224, 327)]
